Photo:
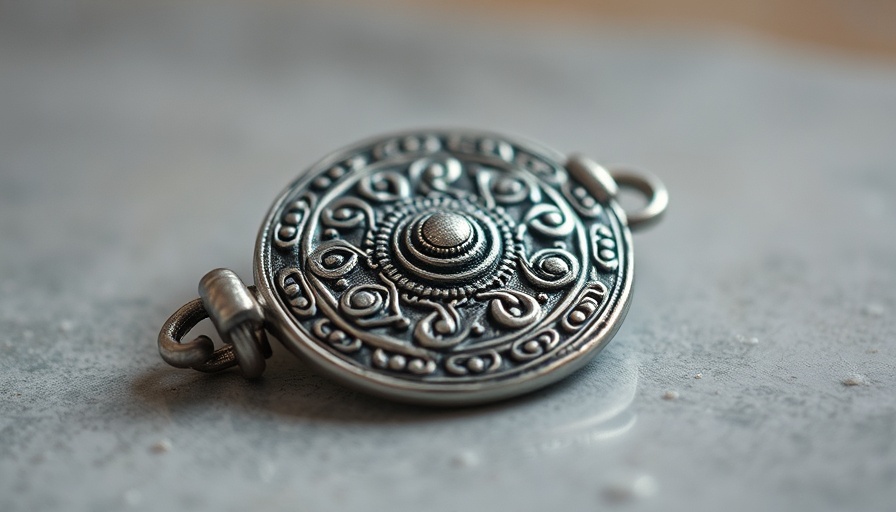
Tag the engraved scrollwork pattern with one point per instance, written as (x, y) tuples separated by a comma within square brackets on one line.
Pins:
[(441, 328), (526, 349), (292, 221), (604, 247), (348, 213), (512, 308), (384, 187), (550, 268), (435, 173), (549, 221), (334, 259), (402, 363), (580, 199), (585, 308), (445, 258), (372, 305), (291, 281), (323, 328), (502, 189), (481, 362)]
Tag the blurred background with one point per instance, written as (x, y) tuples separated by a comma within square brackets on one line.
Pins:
[(141, 143), (862, 27)]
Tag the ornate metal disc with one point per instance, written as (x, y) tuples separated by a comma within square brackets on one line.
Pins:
[(445, 267)]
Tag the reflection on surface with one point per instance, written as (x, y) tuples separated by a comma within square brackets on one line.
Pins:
[(589, 407), (297, 428), (316, 416), (585, 434)]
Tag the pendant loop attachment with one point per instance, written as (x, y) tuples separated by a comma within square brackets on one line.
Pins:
[(237, 317), (604, 184), (653, 190)]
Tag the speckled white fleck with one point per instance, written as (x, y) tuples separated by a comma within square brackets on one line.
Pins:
[(162, 446), (855, 380)]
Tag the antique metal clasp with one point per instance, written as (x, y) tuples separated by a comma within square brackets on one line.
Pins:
[(236, 315)]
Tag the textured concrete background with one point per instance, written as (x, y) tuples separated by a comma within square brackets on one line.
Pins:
[(141, 144)]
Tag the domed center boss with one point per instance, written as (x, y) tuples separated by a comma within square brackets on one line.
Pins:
[(436, 267)]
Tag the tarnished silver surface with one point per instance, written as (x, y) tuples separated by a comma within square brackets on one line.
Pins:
[(447, 267), (441, 267)]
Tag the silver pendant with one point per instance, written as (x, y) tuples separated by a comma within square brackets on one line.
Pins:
[(436, 267)]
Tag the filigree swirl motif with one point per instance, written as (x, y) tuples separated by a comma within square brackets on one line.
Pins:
[(441, 258), (384, 187), (333, 259), (550, 268), (348, 213), (372, 305), (511, 308)]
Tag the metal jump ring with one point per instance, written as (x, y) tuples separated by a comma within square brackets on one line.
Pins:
[(654, 191), (247, 345)]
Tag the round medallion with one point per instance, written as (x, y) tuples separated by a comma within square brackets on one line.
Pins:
[(445, 267)]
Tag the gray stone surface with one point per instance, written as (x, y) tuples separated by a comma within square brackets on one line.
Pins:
[(140, 145)]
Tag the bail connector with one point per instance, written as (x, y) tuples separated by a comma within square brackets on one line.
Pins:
[(236, 315)]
